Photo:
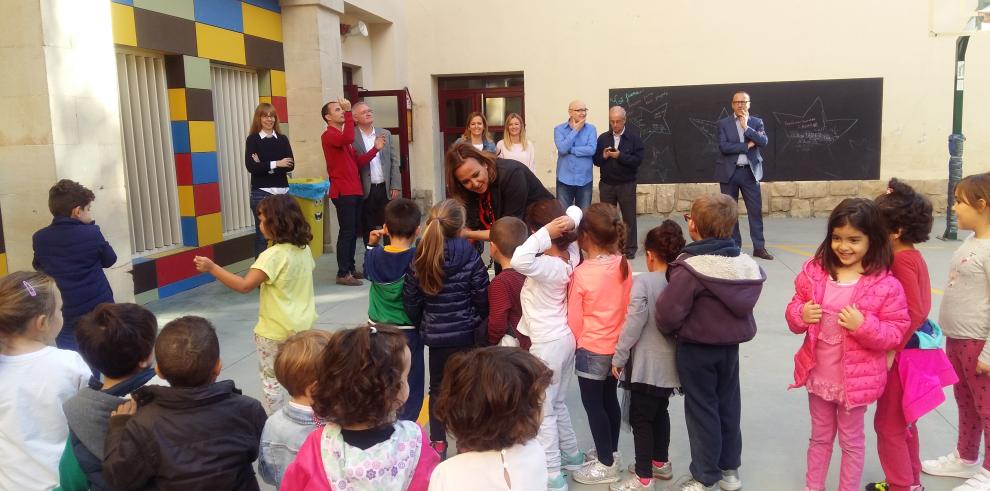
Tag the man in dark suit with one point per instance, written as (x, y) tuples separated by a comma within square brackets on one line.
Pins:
[(740, 167), (381, 178), (619, 152)]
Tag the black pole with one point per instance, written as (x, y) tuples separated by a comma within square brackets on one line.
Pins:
[(956, 139)]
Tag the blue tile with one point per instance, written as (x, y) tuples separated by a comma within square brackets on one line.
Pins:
[(220, 13), (183, 285), (180, 136), (265, 4), (204, 167), (190, 236), (124, 2)]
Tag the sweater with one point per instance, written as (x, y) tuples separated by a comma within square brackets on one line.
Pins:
[(910, 269), (514, 188), (646, 354), (74, 254), (385, 268), (596, 303), (269, 150), (623, 169), (880, 298), (505, 307), (965, 309), (523, 465), (342, 160), (516, 152)]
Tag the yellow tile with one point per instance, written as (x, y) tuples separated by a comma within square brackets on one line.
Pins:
[(278, 83), (177, 104), (187, 203), (266, 98), (124, 31), (209, 228), (202, 136), (219, 44), (262, 23)]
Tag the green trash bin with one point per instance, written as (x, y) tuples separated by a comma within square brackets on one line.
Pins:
[(304, 190)]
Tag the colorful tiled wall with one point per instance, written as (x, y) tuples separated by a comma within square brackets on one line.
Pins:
[(193, 33)]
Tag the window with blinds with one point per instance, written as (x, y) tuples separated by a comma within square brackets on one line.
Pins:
[(152, 196), (235, 96)]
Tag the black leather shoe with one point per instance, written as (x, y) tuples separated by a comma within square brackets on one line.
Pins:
[(763, 254)]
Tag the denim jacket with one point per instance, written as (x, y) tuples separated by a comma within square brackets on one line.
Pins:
[(285, 431)]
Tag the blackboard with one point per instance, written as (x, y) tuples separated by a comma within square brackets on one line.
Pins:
[(818, 129)]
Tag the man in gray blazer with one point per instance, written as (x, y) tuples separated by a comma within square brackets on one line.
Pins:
[(381, 179)]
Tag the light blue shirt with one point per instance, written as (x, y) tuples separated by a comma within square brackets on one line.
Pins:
[(743, 159), (285, 431), (574, 151)]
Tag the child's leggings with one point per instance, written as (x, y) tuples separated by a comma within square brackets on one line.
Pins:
[(972, 396), (604, 416), (827, 418), (897, 440), (556, 432), (650, 423), (438, 360), (267, 349)]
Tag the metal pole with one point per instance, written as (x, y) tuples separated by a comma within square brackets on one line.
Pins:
[(956, 139)]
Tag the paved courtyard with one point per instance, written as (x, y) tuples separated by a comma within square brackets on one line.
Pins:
[(775, 420)]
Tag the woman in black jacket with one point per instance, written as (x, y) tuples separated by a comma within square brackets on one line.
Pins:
[(268, 157)]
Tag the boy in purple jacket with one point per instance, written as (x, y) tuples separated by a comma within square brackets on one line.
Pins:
[(73, 251), (708, 308)]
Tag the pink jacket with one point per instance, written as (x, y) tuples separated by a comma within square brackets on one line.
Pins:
[(880, 297), (923, 373), (306, 472)]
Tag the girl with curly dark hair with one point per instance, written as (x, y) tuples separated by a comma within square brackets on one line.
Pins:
[(360, 387), (284, 272)]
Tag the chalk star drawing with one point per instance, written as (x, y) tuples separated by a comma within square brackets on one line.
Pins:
[(710, 127), (812, 129), (651, 122)]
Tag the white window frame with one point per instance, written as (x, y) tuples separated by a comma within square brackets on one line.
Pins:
[(235, 97)]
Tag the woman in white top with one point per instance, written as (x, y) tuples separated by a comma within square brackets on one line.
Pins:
[(476, 133), (515, 146)]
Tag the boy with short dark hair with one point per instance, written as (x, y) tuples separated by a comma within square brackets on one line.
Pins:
[(385, 267), (196, 434), (708, 307), (117, 340), (73, 251), (504, 306)]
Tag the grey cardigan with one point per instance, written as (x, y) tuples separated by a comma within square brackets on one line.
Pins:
[(651, 352)]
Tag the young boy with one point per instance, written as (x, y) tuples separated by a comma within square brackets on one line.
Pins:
[(504, 307), (72, 250), (285, 431), (708, 306), (385, 267), (196, 434), (117, 340)]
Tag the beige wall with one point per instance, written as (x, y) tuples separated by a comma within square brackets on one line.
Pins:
[(582, 48)]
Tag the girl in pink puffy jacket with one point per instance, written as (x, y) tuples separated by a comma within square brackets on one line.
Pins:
[(851, 311)]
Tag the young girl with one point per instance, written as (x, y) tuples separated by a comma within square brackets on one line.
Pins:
[(515, 146), (851, 310), (652, 378), (284, 272), (907, 218), (491, 400), (446, 296), (965, 320), (360, 387), (596, 309), (547, 259), (35, 379)]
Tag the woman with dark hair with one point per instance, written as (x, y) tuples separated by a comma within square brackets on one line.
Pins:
[(489, 188), (476, 133), (268, 157)]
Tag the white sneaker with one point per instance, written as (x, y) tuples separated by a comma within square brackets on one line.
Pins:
[(951, 465), (979, 482), (631, 484), (688, 483), (597, 473), (730, 480)]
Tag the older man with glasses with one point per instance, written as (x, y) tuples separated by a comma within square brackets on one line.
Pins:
[(619, 153), (575, 140)]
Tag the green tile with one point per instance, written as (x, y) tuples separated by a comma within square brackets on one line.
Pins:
[(146, 297), (284, 128), (176, 8), (197, 72), (265, 84), (241, 266)]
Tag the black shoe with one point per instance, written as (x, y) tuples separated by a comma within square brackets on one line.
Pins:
[(763, 254), (878, 486), (358, 275)]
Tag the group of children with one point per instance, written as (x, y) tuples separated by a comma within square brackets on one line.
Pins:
[(564, 303)]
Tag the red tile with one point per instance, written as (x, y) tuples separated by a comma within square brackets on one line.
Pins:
[(281, 108), (183, 169), (207, 198), (179, 266)]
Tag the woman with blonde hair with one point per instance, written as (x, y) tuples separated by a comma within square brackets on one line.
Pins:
[(515, 146), (268, 157), (476, 133)]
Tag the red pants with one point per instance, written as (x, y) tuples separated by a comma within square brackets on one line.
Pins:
[(897, 440), (972, 396)]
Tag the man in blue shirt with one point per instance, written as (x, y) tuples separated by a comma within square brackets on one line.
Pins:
[(575, 140)]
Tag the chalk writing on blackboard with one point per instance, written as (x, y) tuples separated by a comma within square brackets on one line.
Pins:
[(709, 127), (812, 130), (651, 121)]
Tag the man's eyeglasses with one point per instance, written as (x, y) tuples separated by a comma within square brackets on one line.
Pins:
[(580, 110), (687, 217), (740, 102)]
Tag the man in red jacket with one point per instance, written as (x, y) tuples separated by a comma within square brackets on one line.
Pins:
[(346, 192)]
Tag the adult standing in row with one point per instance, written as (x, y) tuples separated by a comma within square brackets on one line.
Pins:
[(575, 140), (619, 153), (345, 183), (382, 178), (268, 157), (476, 133), (515, 146), (740, 167)]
